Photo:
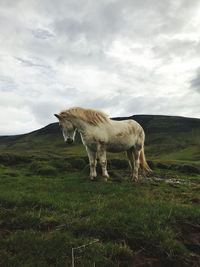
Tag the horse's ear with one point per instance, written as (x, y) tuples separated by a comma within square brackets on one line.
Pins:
[(57, 116)]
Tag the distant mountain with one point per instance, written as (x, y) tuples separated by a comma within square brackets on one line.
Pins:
[(167, 137)]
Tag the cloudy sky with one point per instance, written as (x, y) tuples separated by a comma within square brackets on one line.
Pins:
[(123, 57)]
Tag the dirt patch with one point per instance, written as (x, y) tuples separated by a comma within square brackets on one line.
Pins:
[(162, 177), (175, 179)]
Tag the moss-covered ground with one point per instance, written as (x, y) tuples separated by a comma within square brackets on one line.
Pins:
[(48, 206)]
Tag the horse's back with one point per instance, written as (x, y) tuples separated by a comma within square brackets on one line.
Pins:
[(127, 126)]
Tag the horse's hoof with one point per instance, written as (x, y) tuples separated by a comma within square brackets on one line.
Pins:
[(134, 180), (92, 178), (105, 179)]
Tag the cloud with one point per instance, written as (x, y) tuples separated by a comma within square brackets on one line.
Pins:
[(124, 56), (195, 81), (41, 33)]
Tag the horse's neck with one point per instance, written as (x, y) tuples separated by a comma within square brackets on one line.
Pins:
[(80, 125)]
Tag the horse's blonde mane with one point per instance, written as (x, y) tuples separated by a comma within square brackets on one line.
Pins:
[(90, 116)]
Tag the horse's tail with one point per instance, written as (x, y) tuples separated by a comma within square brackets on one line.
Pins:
[(143, 162)]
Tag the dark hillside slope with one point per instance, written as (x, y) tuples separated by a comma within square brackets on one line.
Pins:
[(167, 137), (171, 137), (47, 140), (43, 139), (160, 123)]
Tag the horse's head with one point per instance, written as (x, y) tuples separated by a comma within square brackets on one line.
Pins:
[(68, 129)]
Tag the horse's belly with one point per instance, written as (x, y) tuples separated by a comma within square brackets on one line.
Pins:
[(120, 144), (115, 148)]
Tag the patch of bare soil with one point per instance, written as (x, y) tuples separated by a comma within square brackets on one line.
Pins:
[(165, 177)]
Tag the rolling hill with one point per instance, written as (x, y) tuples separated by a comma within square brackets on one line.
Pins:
[(167, 138)]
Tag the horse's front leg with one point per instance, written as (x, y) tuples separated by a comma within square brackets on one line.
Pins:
[(93, 163), (103, 162)]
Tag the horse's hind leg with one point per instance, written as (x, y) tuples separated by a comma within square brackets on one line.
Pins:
[(131, 158), (137, 163), (93, 162), (103, 162)]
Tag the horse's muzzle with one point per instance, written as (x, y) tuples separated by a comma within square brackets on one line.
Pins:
[(69, 141)]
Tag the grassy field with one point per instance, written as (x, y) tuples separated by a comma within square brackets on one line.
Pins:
[(48, 206)]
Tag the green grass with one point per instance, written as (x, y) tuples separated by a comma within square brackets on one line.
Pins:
[(48, 206), (47, 209)]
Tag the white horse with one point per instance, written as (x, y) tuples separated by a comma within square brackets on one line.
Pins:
[(100, 134)]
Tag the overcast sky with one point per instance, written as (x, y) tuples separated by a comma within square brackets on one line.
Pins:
[(123, 57)]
